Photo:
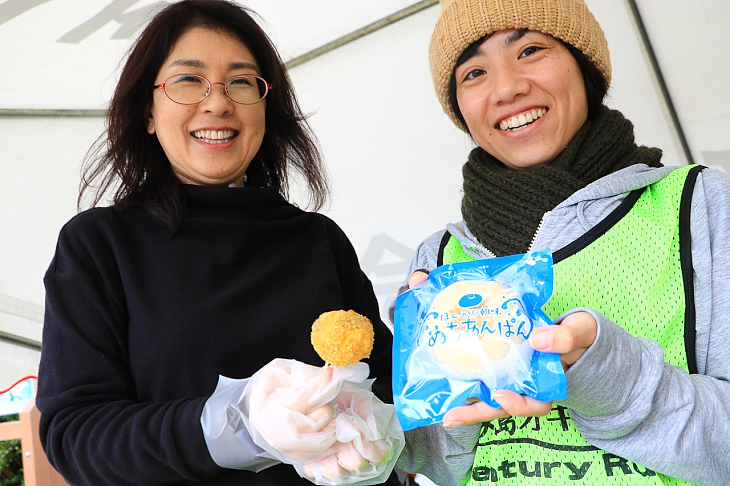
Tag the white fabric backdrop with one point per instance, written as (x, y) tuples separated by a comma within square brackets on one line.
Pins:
[(394, 158)]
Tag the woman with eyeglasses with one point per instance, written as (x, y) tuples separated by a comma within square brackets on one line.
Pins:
[(161, 306), (640, 254)]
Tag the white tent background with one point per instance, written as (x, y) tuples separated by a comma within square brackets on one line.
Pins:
[(360, 69)]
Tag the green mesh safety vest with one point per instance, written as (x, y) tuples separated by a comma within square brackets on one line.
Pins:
[(635, 267)]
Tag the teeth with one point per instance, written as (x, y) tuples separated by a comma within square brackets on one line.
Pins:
[(217, 135), (522, 119)]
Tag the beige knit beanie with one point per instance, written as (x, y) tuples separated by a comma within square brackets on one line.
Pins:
[(463, 22)]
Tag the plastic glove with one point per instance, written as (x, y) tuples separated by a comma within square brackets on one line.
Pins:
[(369, 441), (291, 409), (324, 421)]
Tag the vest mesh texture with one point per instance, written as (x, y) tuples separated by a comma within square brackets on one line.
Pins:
[(631, 273)]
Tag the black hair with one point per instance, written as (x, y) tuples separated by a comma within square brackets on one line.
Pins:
[(128, 158)]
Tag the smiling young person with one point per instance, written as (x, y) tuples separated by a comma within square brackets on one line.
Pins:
[(536, 68), (640, 253), (200, 268)]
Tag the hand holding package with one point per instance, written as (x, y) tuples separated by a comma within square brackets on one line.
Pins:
[(464, 333)]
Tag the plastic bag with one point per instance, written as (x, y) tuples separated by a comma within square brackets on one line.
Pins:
[(326, 422), (464, 334)]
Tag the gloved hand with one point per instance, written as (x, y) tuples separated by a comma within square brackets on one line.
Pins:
[(367, 441), (291, 407), (324, 421)]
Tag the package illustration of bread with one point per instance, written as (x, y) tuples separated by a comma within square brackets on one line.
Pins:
[(479, 330)]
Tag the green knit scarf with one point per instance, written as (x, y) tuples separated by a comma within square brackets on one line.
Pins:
[(503, 207)]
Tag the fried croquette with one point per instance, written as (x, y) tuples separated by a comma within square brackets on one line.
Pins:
[(342, 338)]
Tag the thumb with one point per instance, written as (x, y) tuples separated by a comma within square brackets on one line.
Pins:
[(571, 338), (417, 278)]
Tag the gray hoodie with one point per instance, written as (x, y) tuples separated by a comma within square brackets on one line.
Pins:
[(622, 396)]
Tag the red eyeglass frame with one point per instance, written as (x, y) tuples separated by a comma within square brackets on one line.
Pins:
[(269, 87)]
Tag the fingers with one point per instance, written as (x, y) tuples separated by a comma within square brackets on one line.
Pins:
[(322, 415), (327, 467), (471, 414), (305, 398), (575, 334), (521, 405), (571, 338), (319, 419), (351, 459), (512, 404), (416, 278)]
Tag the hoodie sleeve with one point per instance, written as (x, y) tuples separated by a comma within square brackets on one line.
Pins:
[(658, 415)]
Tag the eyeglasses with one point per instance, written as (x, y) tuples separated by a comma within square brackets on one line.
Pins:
[(189, 89)]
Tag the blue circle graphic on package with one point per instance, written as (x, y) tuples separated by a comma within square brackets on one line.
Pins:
[(470, 300)]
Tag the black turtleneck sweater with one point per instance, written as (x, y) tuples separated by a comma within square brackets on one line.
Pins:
[(139, 325)]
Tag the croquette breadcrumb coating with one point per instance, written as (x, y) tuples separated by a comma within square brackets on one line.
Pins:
[(342, 338)]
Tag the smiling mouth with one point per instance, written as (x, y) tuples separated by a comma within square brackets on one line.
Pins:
[(518, 122), (215, 136)]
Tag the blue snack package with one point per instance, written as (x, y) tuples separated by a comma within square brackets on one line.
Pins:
[(464, 333)]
